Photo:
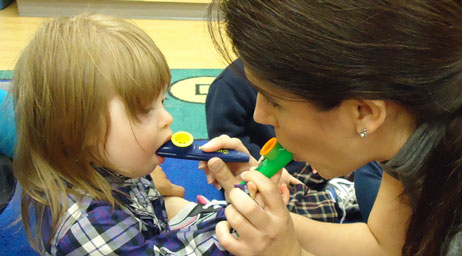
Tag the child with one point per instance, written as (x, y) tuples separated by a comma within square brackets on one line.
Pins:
[(89, 94)]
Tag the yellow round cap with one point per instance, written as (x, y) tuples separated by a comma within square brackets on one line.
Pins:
[(182, 139)]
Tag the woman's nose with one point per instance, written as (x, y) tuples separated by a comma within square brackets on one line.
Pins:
[(262, 113)]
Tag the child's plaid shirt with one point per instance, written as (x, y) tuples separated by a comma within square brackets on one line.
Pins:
[(310, 199), (92, 227)]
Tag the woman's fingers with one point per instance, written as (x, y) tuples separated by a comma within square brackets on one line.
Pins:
[(224, 141), (246, 206), (229, 239), (238, 235), (221, 173), (261, 231), (269, 191), (218, 173), (278, 177), (241, 226), (293, 180)]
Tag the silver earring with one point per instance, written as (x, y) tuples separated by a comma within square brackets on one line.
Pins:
[(363, 133)]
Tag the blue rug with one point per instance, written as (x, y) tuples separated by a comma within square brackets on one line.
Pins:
[(185, 101)]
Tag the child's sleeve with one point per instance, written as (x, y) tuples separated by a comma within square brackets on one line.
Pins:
[(105, 231)]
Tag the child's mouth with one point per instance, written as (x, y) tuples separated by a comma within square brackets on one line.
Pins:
[(160, 159)]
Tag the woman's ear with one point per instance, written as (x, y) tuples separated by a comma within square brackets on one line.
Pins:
[(369, 115)]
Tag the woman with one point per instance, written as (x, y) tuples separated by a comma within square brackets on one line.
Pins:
[(345, 83)]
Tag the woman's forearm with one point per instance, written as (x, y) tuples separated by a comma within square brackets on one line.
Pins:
[(320, 238)]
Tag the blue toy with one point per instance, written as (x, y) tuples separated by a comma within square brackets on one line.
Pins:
[(182, 146)]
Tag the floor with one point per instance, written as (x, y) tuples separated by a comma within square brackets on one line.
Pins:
[(185, 44)]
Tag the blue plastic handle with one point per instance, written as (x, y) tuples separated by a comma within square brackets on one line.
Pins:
[(193, 152)]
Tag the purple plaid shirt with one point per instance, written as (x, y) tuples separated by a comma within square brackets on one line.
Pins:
[(140, 227)]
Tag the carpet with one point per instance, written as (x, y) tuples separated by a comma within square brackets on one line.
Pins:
[(185, 101)]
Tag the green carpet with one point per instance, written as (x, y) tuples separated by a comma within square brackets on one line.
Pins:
[(185, 99)]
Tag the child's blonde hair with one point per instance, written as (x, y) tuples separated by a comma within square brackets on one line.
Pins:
[(62, 85)]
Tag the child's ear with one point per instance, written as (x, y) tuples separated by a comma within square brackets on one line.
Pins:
[(369, 115)]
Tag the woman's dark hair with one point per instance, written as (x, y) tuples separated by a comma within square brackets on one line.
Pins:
[(409, 52)]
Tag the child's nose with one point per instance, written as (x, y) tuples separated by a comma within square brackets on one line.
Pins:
[(168, 119)]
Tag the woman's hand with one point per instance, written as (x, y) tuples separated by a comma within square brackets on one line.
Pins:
[(287, 179), (282, 178), (222, 174), (262, 230)]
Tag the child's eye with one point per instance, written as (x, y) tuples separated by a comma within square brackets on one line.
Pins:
[(164, 101)]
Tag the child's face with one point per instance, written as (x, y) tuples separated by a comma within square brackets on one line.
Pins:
[(131, 146)]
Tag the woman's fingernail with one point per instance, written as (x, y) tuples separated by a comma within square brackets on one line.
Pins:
[(206, 145), (244, 174), (209, 179), (202, 165)]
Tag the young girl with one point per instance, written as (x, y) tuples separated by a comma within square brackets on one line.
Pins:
[(89, 94)]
